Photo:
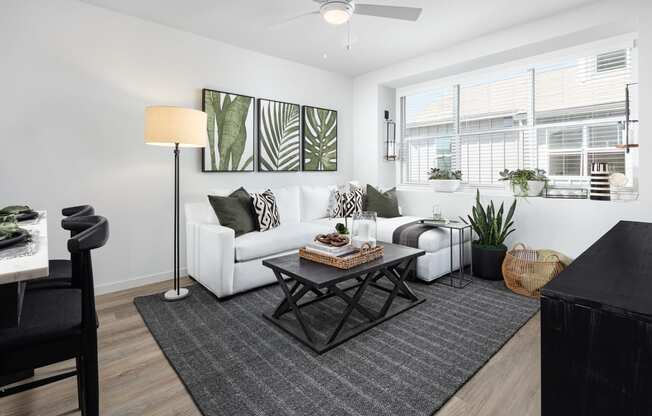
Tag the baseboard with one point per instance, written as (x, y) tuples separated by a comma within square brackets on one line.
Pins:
[(105, 288)]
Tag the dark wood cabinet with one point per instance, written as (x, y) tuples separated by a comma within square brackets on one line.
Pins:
[(596, 329)]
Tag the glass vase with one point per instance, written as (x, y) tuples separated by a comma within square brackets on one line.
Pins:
[(363, 229)]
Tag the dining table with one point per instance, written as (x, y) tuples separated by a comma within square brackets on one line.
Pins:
[(18, 265)]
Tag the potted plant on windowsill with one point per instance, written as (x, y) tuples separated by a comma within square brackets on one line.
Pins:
[(445, 180), (525, 182), (492, 228)]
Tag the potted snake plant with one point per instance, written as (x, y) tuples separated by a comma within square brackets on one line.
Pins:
[(492, 228), (445, 180)]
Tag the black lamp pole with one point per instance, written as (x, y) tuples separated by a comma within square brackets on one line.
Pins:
[(178, 292)]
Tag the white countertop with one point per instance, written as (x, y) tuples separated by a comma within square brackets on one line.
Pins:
[(23, 268)]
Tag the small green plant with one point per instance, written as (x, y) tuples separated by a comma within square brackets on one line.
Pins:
[(9, 229), (15, 209), (341, 229), (7, 218), (490, 225), (520, 177), (445, 174)]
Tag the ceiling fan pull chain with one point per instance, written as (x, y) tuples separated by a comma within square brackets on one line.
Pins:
[(348, 40)]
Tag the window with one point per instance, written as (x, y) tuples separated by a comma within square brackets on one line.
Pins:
[(429, 132), (610, 61), (560, 116)]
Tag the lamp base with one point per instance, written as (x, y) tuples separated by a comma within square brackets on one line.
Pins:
[(172, 295)]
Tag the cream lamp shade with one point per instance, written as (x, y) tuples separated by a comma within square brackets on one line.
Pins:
[(166, 126)]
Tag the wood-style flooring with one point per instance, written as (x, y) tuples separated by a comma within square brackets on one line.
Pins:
[(136, 379)]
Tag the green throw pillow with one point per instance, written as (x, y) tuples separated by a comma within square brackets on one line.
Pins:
[(385, 204), (235, 211)]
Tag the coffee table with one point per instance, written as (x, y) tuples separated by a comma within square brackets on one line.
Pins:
[(321, 282)]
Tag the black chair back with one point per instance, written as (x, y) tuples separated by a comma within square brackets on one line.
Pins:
[(78, 211), (89, 233)]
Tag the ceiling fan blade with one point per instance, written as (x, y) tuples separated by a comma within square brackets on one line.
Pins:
[(391, 12), (291, 19)]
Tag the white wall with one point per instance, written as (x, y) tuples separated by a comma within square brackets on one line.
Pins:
[(570, 226), (74, 82)]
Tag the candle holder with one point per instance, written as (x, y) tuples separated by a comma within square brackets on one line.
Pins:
[(363, 229), (391, 153)]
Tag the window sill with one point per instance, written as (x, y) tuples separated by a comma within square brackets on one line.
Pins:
[(465, 190), (500, 192)]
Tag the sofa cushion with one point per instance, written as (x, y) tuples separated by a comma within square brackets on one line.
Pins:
[(235, 211), (266, 210), (315, 202), (348, 203), (282, 238), (385, 204)]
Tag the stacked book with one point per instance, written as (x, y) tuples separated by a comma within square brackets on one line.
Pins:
[(600, 189), (327, 250)]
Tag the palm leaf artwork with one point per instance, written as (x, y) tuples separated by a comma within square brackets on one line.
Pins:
[(319, 139), (278, 136), (230, 132)]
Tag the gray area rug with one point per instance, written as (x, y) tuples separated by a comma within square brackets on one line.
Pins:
[(235, 362)]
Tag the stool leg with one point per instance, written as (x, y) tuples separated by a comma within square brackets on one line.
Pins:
[(81, 385), (91, 382)]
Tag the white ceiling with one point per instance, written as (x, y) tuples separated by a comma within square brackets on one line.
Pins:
[(377, 41)]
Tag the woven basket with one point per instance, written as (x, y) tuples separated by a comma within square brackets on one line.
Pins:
[(526, 271), (364, 255)]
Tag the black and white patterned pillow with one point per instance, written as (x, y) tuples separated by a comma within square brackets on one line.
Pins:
[(348, 203), (266, 210)]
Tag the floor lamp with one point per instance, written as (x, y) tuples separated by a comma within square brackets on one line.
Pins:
[(177, 127)]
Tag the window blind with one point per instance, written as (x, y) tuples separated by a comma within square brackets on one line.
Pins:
[(558, 116)]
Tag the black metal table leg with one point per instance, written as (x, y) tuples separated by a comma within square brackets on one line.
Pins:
[(457, 280), (293, 305), (399, 280), (348, 299), (395, 291), (284, 306), (349, 308)]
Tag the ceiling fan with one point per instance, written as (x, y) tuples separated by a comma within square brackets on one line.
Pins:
[(337, 12)]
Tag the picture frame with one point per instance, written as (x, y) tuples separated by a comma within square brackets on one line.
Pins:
[(278, 136), (229, 149), (319, 139)]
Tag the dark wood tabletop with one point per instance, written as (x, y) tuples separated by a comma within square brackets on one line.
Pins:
[(614, 273), (320, 275)]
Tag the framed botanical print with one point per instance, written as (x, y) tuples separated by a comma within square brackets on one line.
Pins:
[(230, 132), (278, 136), (319, 136)]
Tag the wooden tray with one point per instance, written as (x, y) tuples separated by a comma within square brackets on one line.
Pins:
[(345, 262)]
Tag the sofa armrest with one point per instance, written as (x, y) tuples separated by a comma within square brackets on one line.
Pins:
[(210, 251)]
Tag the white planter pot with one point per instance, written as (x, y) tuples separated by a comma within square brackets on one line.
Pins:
[(445, 185), (534, 188)]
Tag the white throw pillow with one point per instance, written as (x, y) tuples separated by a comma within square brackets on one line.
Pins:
[(315, 202), (266, 210)]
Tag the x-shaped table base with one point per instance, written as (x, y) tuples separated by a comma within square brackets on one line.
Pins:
[(300, 288)]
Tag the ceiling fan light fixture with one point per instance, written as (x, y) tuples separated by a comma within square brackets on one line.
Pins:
[(336, 12)]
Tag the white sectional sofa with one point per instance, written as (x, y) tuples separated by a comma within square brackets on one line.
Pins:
[(227, 265)]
